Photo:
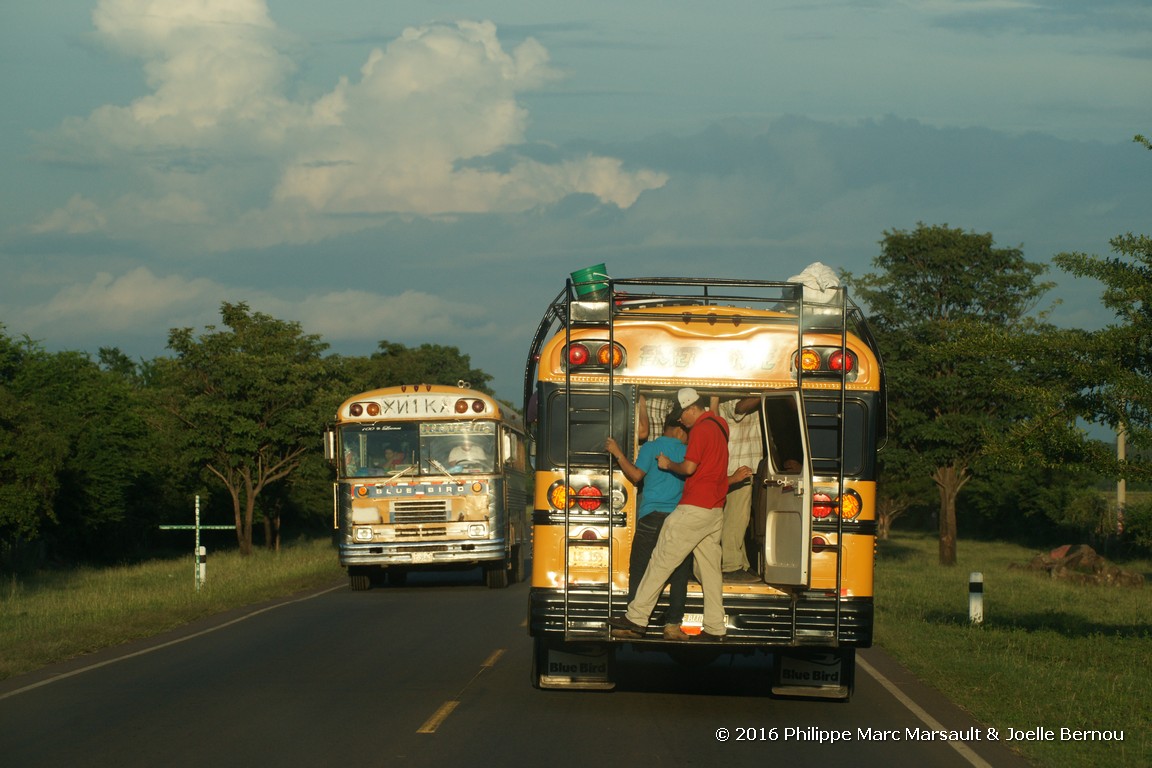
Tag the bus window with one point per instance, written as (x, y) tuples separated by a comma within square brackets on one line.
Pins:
[(587, 415), (377, 449), (824, 436), (785, 443), (460, 448)]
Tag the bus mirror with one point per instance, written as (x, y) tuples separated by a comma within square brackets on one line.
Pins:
[(330, 444)]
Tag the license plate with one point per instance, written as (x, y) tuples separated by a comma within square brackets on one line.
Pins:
[(588, 557), (421, 557)]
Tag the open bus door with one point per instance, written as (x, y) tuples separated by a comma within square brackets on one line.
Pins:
[(782, 499)]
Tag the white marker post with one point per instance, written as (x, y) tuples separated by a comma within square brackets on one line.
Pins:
[(976, 597)]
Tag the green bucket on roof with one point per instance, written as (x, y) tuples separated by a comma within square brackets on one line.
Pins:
[(591, 283)]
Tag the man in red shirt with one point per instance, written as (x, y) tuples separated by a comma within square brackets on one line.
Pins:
[(693, 527)]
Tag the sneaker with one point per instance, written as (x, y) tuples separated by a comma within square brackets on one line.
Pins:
[(742, 575), (708, 637), (673, 632), (625, 629)]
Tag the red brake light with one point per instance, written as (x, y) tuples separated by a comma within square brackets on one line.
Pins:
[(842, 360), (589, 498), (578, 354), (461, 406), (821, 505), (478, 406)]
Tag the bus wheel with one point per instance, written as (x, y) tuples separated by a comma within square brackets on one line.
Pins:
[(359, 579), (496, 575)]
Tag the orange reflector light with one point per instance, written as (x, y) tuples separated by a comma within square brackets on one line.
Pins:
[(461, 406), (610, 354), (559, 495), (809, 360), (373, 409), (850, 506)]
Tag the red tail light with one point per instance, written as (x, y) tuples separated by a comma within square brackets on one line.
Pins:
[(578, 354), (822, 505), (840, 360), (589, 498)]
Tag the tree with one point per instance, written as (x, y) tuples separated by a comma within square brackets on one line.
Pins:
[(1116, 388), (252, 401), (1102, 376), (394, 364), (940, 291), (31, 455)]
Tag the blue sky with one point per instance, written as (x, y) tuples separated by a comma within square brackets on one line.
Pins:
[(432, 171)]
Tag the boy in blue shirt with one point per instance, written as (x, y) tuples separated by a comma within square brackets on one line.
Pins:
[(660, 495)]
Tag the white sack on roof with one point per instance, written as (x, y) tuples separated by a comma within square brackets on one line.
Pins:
[(819, 281)]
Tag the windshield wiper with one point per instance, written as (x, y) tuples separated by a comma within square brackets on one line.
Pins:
[(401, 472)]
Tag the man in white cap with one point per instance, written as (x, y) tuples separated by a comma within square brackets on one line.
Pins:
[(693, 527)]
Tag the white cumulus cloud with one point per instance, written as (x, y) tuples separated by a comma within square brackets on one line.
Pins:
[(219, 138), (136, 299)]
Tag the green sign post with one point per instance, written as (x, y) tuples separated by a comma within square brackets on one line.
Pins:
[(199, 553)]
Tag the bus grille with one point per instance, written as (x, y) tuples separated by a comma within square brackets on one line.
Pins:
[(421, 511)]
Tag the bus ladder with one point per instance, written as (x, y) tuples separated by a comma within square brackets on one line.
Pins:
[(816, 318), (596, 600)]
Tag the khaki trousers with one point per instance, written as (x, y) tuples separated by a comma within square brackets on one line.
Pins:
[(688, 530)]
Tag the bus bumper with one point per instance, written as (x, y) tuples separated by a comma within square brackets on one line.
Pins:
[(423, 553), (765, 621)]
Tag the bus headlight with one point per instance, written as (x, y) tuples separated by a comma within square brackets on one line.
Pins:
[(362, 534), (478, 531)]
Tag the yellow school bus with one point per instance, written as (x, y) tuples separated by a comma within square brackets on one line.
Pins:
[(605, 352), (429, 477)]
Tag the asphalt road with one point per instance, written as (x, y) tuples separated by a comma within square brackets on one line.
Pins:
[(436, 673)]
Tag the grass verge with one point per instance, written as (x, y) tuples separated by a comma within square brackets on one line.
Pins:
[(1048, 655), (59, 615)]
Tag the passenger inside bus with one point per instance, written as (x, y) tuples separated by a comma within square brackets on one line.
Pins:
[(467, 456), (745, 450)]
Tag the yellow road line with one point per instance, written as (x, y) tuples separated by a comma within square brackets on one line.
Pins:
[(432, 723)]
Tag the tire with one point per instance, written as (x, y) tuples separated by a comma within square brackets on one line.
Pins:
[(359, 580), (496, 575)]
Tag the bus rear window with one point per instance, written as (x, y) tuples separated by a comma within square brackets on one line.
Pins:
[(587, 418), (824, 436)]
